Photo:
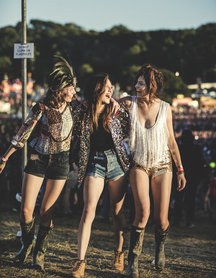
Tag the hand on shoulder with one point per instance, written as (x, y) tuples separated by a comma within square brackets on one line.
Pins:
[(125, 101)]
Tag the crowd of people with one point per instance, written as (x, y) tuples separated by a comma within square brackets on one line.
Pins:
[(159, 137)]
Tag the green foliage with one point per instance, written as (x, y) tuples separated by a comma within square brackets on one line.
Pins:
[(118, 51), (129, 73), (5, 62), (173, 85), (85, 72)]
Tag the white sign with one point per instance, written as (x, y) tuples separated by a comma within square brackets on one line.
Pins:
[(23, 50)]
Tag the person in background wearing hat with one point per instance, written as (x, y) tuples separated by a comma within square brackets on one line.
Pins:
[(53, 120)]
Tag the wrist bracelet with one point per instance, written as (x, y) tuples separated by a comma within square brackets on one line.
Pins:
[(180, 173), (3, 160)]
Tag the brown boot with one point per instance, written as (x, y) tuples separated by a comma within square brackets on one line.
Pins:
[(78, 269), (118, 260)]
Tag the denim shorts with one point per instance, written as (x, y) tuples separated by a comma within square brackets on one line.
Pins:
[(55, 166), (104, 164)]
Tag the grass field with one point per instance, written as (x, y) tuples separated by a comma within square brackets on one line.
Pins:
[(190, 252)]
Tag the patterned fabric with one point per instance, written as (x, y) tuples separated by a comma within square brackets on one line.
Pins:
[(123, 114), (164, 165), (55, 130), (82, 129), (147, 146)]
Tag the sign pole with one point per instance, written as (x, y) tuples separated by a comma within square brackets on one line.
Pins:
[(24, 79)]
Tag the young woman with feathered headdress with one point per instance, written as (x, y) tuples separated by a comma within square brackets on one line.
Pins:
[(53, 121)]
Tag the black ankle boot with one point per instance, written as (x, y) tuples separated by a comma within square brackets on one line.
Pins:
[(136, 242), (160, 237), (41, 246), (27, 241)]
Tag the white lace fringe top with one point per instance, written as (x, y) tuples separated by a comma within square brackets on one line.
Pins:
[(148, 145)]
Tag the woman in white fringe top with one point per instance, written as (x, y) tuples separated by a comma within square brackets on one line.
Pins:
[(152, 144)]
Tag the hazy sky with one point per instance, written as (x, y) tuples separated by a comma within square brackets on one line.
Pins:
[(100, 15)]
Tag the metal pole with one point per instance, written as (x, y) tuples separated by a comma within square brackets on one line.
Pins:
[(24, 78)]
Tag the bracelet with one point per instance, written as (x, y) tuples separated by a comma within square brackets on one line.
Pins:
[(3, 160), (180, 167), (181, 172)]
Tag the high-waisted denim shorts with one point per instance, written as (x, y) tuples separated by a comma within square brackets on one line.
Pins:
[(56, 166), (105, 165)]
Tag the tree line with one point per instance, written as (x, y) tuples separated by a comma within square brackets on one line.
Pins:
[(118, 51)]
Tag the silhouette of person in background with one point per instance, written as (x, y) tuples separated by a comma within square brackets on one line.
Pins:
[(210, 198), (193, 161)]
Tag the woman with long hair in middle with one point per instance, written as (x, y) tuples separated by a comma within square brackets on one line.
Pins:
[(102, 157)]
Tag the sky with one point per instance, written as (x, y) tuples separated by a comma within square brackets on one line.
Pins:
[(101, 15)]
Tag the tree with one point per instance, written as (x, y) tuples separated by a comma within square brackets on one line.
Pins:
[(173, 85)]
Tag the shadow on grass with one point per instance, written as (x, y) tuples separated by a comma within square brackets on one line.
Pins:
[(10, 244)]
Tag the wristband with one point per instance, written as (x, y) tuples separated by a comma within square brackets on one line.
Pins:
[(180, 172), (3, 160)]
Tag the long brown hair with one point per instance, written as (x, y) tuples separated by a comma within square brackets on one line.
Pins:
[(94, 88), (53, 98), (153, 79)]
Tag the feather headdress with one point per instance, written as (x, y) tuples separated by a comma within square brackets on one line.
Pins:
[(62, 76)]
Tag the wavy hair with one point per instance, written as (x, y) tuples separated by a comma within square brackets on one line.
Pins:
[(94, 88), (62, 76), (153, 79)]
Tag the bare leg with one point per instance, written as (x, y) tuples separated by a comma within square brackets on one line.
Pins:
[(161, 189), (52, 192), (117, 189), (139, 182), (30, 189), (92, 190)]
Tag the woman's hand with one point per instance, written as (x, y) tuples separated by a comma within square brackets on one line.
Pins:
[(115, 104), (85, 103), (181, 182)]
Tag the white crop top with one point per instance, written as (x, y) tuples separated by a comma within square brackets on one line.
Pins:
[(147, 146)]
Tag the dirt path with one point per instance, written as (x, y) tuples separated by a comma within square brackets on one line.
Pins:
[(190, 252)]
